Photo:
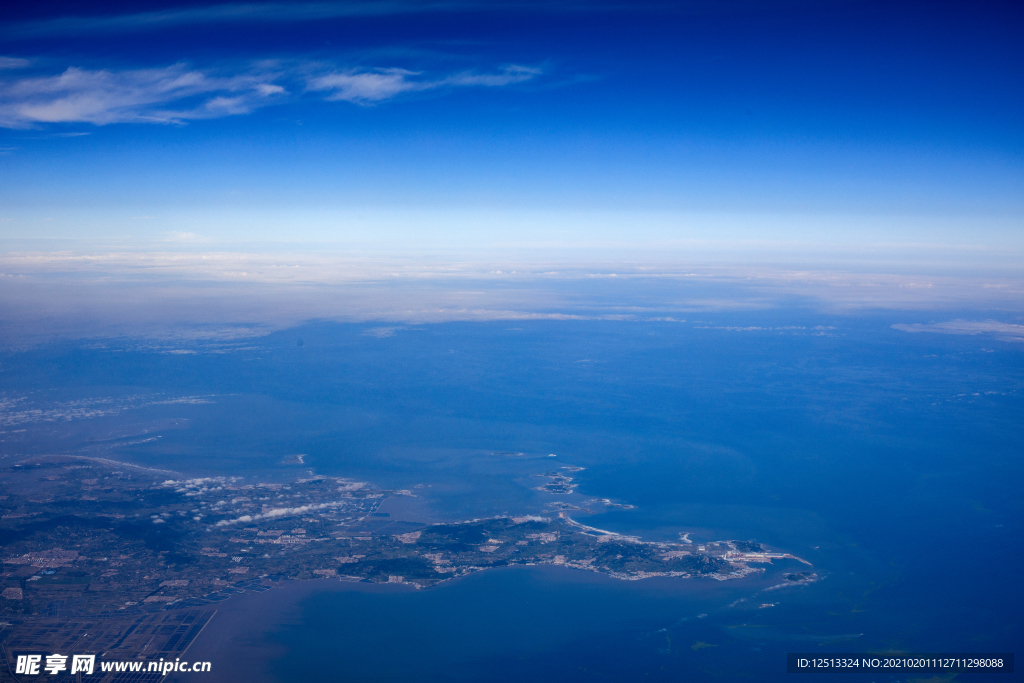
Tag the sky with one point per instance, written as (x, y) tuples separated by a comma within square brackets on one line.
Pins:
[(265, 163), (729, 126)]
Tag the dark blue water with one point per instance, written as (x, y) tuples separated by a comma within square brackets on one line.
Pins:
[(891, 461)]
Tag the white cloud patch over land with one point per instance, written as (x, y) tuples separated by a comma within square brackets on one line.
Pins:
[(280, 512), (1001, 331), (180, 93)]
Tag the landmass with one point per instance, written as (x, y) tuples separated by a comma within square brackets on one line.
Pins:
[(88, 538)]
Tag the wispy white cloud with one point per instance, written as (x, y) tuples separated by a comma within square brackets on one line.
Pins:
[(365, 87), (230, 12), (179, 93), (266, 12), (184, 237), (13, 63), (280, 12), (507, 76), (135, 96)]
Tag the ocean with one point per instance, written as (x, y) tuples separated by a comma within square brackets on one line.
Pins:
[(890, 461)]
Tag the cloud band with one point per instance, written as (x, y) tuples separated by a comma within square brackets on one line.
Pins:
[(179, 93)]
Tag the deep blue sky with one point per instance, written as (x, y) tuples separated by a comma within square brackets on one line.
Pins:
[(576, 123)]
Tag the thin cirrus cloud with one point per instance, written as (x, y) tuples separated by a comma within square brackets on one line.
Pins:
[(277, 12), (363, 87), (134, 96), (229, 12), (178, 93), (13, 63)]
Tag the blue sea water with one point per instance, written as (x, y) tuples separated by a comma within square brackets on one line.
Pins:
[(889, 460)]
